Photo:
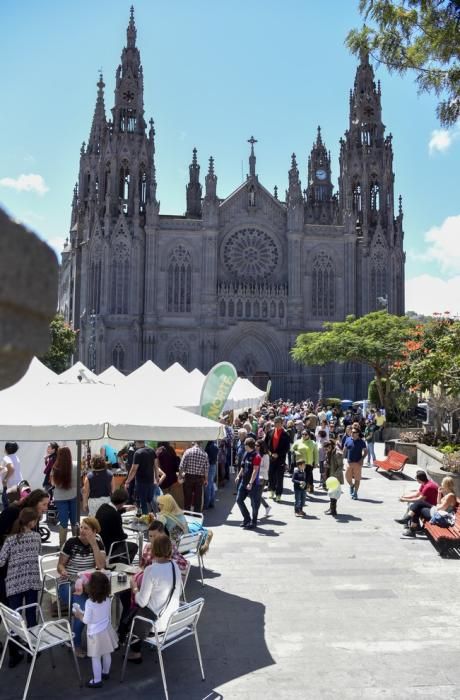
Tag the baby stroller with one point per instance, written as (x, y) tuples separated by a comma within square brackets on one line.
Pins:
[(23, 490), (51, 514)]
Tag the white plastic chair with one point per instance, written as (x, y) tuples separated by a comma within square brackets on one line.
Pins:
[(189, 546), (184, 578), (34, 640), (51, 580), (182, 624), (191, 515)]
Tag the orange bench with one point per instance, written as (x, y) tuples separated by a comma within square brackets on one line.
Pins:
[(394, 462), (445, 538)]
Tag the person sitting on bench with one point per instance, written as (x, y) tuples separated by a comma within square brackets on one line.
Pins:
[(427, 494), (446, 503)]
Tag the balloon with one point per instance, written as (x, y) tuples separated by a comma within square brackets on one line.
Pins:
[(332, 483)]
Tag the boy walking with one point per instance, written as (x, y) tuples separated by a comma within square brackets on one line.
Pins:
[(299, 479)]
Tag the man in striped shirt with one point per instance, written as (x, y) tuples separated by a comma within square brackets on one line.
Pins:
[(193, 471)]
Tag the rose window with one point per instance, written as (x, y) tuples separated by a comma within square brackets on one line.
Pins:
[(251, 254)]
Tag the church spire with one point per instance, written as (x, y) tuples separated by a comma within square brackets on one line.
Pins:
[(252, 158), (128, 112), (194, 188), (99, 124), (365, 105), (211, 181), (131, 31), (319, 172), (294, 198), (210, 201)]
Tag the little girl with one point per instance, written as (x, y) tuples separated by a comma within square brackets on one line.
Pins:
[(101, 637)]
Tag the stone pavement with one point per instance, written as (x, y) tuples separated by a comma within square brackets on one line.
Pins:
[(315, 608)]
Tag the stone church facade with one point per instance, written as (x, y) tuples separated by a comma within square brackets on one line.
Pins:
[(235, 277)]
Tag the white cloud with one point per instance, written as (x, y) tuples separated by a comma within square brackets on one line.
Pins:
[(442, 139), (25, 183), (443, 245), (426, 294)]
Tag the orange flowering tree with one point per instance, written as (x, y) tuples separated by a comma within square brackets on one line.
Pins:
[(431, 357)]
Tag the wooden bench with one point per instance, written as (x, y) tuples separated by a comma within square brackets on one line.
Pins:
[(393, 463), (445, 539)]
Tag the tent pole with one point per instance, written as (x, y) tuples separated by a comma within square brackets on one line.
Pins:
[(78, 481)]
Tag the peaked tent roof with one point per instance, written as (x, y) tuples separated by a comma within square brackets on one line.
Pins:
[(111, 375)]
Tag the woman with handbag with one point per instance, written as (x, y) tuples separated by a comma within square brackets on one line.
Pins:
[(159, 595)]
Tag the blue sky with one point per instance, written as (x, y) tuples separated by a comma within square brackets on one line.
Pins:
[(216, 72)]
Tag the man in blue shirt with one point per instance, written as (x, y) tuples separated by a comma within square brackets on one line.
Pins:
[(355, 450)]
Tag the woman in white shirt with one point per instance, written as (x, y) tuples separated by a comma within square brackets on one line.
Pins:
[(10, 470), (261, 449), (159, 595)]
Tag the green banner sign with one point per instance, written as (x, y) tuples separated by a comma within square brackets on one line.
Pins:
[(216, 388), (268, 389)]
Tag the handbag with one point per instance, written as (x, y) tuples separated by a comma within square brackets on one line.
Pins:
[(126, 621), (442, 518)]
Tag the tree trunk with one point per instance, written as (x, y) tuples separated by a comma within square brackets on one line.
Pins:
[(379, 385)]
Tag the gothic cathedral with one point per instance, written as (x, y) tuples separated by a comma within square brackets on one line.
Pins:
[(235, 277)]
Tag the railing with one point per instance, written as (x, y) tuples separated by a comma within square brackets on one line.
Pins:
[(252, 301)]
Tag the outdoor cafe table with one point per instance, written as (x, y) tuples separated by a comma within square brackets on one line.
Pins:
[(137, 526)]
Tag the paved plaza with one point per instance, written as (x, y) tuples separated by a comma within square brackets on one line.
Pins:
[(315, 608)]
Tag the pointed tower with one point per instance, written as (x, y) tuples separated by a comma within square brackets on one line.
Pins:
[(367, 197), (294, 198), (194, 189), (319, 172), (99, 126), (128, 111), (114, 220), (295, 223)]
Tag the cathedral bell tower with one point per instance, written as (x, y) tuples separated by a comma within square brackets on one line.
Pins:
[(367, 198), (321, 206), (114, 216)]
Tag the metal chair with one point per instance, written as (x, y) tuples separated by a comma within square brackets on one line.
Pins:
[(184, 578), (51, 580), (34, 640), (189, 546), (191, 515), (123, 553), (182, 624)]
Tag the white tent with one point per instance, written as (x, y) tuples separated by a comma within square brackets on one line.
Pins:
[(80, 411), (244, 394), (31, 454), (111, 375), (78, 373), (180, 388), (148, 373)]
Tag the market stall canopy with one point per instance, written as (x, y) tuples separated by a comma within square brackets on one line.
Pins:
[(90, 411), (111, 375), (146, 375), (78, 373)]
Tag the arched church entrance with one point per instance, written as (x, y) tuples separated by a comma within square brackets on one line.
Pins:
[(254, 356)]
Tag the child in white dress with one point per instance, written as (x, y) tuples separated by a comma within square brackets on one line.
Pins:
[(101, 637)]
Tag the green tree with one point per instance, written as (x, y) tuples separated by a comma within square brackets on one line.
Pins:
[(377, 340), (63, 340), (421, 36)]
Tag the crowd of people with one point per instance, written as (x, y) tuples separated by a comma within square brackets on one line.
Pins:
[(285, 438), (259, 451)]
